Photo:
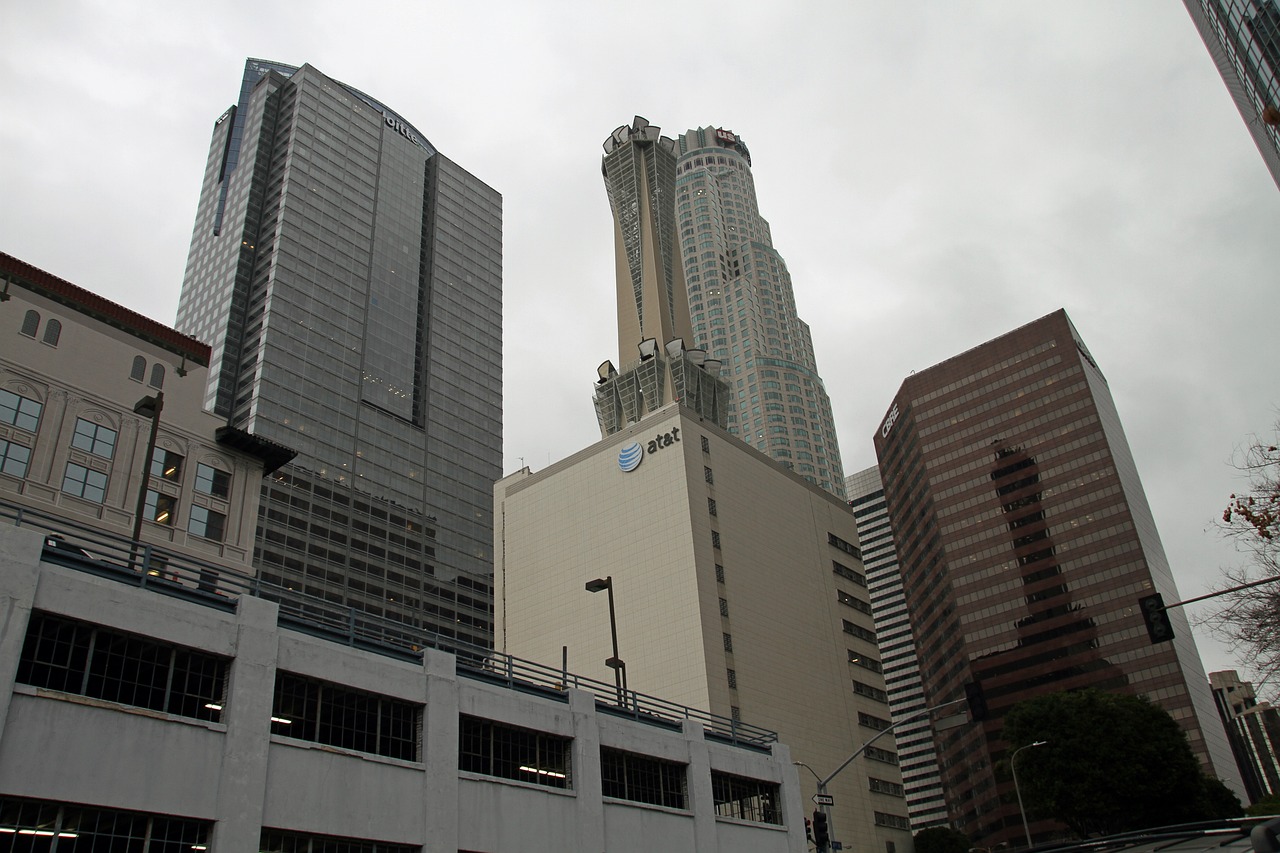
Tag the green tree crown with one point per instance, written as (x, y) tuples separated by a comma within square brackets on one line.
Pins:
[(1112, 763)]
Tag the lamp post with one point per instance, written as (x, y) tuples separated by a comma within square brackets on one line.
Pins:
[(614, 663), (148, 407), (1013, 765), (823, 783), (822, 789)]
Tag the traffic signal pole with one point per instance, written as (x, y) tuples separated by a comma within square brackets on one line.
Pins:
[(1250, 585), (822, 783), (1155, 613)]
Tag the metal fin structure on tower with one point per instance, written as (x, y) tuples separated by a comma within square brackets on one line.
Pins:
[(639, 168)]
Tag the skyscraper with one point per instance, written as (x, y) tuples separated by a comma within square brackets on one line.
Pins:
[(1025, 541), (739, 584), (348, 278), (1243, 37), (916, 755), (653, 307), (744, 310), (1253, 728)]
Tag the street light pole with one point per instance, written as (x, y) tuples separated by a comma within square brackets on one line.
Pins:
[(822, 783), (822, 789), (152, 407), (615, 663), (1013, 765)]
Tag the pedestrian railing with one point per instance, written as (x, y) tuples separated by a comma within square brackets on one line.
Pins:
[(88, 549)]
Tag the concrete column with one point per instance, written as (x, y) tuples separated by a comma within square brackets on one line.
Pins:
[(20, 552), (701, 797), (792, 805), (585, 770), (49, 440), (242, 785), (440, 753)]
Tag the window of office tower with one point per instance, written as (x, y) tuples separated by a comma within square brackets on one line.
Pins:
[(394, 300)]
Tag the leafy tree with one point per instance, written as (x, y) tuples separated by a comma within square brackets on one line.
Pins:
[(1112, 763), (1247, 618), (942, 839), (1217, 801), (1266, 806)]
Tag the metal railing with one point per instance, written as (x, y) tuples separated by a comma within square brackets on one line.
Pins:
[(116, 557)]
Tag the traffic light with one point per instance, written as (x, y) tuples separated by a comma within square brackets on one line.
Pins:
[(1159, 628), (977, 701), (821, 836), (808, 829)]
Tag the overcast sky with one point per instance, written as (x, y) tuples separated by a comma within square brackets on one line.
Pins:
[(935, 174)]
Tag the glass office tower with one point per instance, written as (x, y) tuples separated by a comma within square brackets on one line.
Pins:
[(744, 310), (349, 280), (1243, 37)]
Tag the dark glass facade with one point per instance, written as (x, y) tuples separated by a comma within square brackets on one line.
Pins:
[(348, 277), (1025, 540), (1243, 37)]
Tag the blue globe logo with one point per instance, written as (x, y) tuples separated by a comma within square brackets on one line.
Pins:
[(629, 457)]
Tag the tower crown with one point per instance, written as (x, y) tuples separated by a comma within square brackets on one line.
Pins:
[(639, 167)]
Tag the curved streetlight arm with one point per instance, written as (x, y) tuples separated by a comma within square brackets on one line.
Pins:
[(822, 783), (810, 769), (1017, 789)]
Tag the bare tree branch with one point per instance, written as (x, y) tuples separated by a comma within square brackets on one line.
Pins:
[(1249, 620)]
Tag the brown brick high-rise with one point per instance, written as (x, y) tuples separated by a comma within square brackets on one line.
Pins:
[(1025, 541)]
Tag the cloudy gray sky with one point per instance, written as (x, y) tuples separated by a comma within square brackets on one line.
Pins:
[(935, 174)]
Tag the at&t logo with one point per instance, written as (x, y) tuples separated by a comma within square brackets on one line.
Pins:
[(629, 457)]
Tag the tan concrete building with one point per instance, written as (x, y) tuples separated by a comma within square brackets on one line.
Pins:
[(739, 589), (74, 368), (1253, 728)]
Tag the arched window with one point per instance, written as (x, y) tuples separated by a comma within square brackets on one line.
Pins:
[(157, 376), (31, 323), (139, 370), (52, 331)]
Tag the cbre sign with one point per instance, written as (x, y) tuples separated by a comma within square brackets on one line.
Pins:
[(889, 421)]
